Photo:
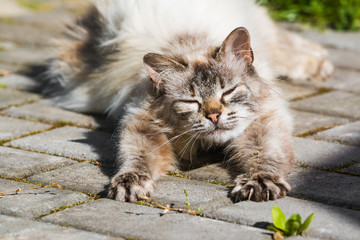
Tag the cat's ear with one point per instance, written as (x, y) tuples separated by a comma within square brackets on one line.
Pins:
[(155, 64), (238, 44)]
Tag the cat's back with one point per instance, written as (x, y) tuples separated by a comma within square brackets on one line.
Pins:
[(151, 24), (116, 34)]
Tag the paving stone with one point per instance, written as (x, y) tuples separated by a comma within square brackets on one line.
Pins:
[(342, 79), (19, 163), (345, 59), (45, 111), (203, 195), (9, 97), (12, 9), (325, 224), (11, 127), (291, 92), (32, 203), (336, 103), (35, 36), (323, 154), (26, 56), (9, 68), (307, 152), (335, 39), (89, 178), (326, 187), (135, 221), (354, 169), (72, 142), (305, 122), (16, 81), (348, 134), (211, 173), (6, 45), (83, 177), (48, 22), (17, 228)]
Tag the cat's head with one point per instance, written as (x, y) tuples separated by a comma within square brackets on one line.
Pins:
[(212, 97)]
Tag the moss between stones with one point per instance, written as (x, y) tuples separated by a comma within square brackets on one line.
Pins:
[(303, 165), (36, 5), (221, 183), (2, 142), (144, 203), (333, 170), (177, 174), (61, 208), (20, 104), (6, 20), (320, 91), (67, 226), (341, 170), (54, 168), (54, 154), (94, 196), (323, 90), (313, 131), (18, 179)]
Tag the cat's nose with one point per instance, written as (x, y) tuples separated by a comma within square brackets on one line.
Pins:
[(214, 116)]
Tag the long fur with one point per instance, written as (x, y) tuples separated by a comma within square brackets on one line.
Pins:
[(208, 87), (106, 47)]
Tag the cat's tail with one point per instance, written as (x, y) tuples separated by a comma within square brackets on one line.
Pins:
[(71, 78), (45, 82)]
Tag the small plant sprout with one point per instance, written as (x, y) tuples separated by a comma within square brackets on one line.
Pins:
[(290, 227), (187, 199), (167, 208), (198, 211)]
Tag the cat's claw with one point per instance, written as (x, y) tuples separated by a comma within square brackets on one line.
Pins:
[(129, 187), (260, 187), (251, 193)]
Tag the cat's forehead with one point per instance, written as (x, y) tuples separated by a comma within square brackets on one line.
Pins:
[(210, 74)]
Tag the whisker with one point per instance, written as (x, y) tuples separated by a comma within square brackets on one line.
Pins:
[(193, 137), (191, 149), (171, 139)]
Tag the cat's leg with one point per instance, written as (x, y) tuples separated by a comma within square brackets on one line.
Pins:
[(145, 154), (262, 157), (298, 58)]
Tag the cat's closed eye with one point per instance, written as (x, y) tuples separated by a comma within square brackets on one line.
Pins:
[(190, 101), (229, 91), (185, 107), (227, 95)]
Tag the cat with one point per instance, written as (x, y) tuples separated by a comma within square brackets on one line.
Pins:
[(182, 77)]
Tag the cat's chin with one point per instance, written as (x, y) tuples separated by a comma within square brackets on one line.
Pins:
[(223, 135)]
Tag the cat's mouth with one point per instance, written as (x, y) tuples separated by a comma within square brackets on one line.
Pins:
[(220, 130)]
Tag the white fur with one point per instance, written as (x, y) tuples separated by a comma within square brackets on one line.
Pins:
[(147, 26)]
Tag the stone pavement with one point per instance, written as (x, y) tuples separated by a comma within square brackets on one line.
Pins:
[(41, 144)]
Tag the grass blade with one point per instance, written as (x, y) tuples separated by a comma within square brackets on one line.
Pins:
[(306, 223), (279, 218)]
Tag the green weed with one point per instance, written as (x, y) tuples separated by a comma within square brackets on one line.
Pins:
[(339, 15), (290, 227)]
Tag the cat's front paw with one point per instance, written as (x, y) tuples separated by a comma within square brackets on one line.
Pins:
[(259, 187), (129, 187)]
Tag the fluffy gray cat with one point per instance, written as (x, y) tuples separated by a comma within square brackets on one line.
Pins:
[(182, 77)]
